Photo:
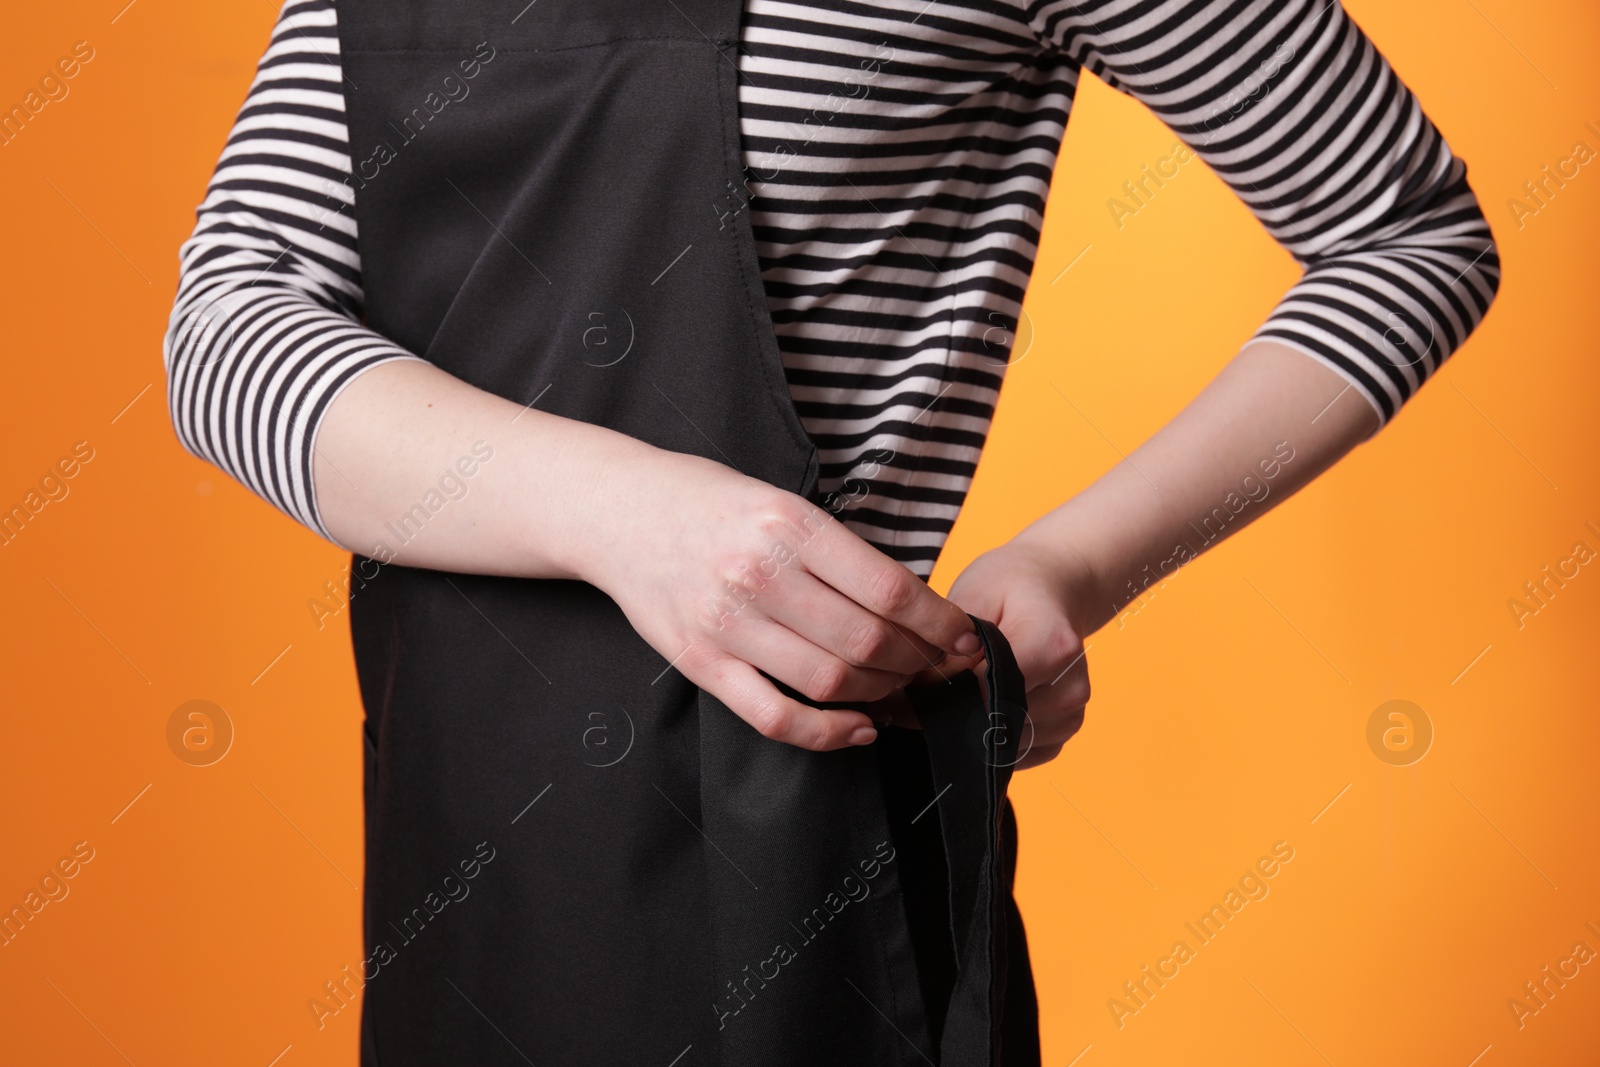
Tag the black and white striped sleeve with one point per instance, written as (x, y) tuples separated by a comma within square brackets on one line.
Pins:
[(1290, 103), (266, 329)]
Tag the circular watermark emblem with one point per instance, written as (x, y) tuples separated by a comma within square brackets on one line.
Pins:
[(199, 733), (1399, 733), (207, 336), (607, 743), (1405, 340), (606, 336), (1007, 340), (1002, 738)]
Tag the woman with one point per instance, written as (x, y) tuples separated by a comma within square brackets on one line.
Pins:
[(642, 354)]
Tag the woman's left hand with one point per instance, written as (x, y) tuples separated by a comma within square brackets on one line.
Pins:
[(1040, 600)]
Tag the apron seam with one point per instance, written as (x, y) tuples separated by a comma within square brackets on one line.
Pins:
[(779, 392)]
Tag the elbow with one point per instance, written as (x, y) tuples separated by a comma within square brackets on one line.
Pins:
[(1489, 266), (1478, 281), (187, 349)]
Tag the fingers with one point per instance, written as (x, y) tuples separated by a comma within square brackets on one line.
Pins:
[(894, 710), (1057, 673), (1068, 689), (1051, 656), (1054, 725), (777, 717), (887, 589), (1038, 754), (804, 667), (829, 619), (943, 672)]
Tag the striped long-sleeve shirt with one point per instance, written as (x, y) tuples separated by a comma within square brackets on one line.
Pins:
[(899, 155)]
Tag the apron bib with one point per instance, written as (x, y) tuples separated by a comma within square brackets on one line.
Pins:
[(574, 855)]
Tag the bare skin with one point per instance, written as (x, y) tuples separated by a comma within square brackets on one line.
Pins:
[(1066, 575), (837, 620)]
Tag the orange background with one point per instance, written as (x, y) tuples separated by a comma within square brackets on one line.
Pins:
[(1228, 713)]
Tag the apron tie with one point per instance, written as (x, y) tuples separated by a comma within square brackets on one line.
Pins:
[(973, 734)]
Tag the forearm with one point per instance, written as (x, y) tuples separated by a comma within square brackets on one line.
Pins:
[(1269, 423), (414, 466)]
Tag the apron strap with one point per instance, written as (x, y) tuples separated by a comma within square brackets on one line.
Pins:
[(974, 735)]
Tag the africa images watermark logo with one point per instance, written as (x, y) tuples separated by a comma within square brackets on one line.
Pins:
[(1252, 886), (853, 888)]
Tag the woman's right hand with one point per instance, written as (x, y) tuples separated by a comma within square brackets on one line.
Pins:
[(730, 578), (733, 581)]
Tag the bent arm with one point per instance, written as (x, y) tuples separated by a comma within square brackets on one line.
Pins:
[(1297, 111), (272, 377), (266, 329)]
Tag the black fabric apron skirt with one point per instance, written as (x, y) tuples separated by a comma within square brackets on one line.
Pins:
[(574, 856)]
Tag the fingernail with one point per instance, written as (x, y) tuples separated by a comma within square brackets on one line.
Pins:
[(968, 643), (863, 735)]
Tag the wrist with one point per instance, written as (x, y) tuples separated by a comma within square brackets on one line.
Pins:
[(1106, 567), (576, 527), (1079, 579)]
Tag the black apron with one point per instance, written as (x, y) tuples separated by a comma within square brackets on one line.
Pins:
[(574, 855)]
